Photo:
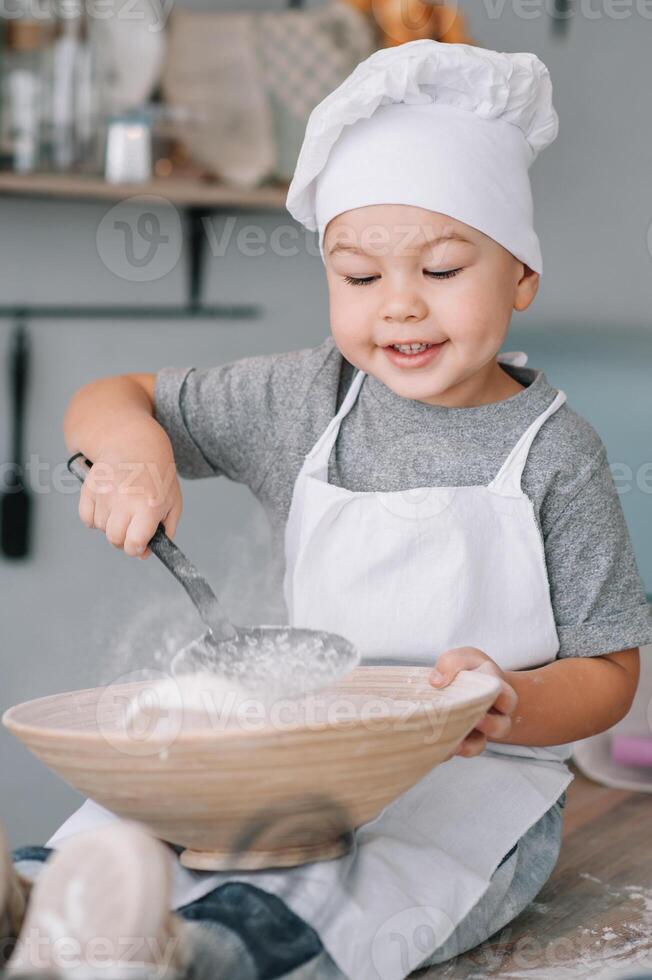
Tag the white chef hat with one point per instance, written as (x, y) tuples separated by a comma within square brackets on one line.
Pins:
[(451, 128)]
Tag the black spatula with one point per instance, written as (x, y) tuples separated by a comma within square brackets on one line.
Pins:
[(16, 501)]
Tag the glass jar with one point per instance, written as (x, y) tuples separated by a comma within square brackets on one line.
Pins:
[(25, 91)]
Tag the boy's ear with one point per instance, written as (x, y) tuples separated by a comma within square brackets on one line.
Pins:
[(526, 288)]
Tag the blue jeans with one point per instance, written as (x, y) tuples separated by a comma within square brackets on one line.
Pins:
[(239, 932)]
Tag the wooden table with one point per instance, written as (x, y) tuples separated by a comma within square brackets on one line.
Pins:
[(594, 913)]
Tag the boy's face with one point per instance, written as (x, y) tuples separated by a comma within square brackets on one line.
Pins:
[(395, 276)]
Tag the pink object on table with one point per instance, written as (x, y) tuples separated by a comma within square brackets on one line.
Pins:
[(632, 750)]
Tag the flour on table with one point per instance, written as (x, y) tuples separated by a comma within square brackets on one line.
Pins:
[(600, 953)]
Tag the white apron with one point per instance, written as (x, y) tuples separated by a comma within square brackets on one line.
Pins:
[(407, 575)]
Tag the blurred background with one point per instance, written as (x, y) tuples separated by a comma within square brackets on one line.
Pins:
[(145, 152)]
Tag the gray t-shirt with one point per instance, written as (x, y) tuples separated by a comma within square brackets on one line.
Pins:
[(255, 419)]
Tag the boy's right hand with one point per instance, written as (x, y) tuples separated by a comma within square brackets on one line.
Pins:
[(132, 487)]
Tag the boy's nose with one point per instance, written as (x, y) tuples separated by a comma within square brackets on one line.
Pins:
[(406, 305)]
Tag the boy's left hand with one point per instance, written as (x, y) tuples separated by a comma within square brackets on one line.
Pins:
[(498, 720)]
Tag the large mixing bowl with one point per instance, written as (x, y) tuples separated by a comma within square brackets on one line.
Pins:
[(260, 791)]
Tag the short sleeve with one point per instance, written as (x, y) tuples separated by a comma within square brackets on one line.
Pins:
[(597, 593), (229, 420), (221, 420)]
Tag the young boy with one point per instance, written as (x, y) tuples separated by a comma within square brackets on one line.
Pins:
[(440, 504)]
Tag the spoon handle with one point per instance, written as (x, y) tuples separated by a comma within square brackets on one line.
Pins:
[(198, 589)]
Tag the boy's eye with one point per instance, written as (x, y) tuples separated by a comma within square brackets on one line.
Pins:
[(365, 281), (353, 281), (443, 275)]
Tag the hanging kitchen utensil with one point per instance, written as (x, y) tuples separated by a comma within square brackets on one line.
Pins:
[(16, 501), (270, 661)]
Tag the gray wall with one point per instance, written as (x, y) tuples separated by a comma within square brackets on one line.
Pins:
[(592, 190), (68, 614), (76, 613)]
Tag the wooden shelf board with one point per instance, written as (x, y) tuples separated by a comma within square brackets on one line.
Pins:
[(182, 191)]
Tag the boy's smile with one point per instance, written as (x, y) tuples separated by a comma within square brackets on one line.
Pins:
[(413, 353), (423, 302)]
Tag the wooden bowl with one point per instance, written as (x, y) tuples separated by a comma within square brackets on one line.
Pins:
[(275, 791)]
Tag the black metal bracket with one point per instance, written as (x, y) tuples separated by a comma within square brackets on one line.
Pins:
[(561, 17), (188, 312), (195, 235), (192, 309)]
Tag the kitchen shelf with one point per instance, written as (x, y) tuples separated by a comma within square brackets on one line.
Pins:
[(195, 196), (185, 192)]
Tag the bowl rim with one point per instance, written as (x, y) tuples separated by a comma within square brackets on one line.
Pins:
[(483, 683)]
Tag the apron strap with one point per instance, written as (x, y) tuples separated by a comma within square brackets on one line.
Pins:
[(507, 481), (516, 357), (321, 451)]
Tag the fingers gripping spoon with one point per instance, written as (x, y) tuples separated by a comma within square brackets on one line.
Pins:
[(272, 661)]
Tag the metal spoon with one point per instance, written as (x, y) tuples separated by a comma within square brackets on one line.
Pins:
[(272, 661)]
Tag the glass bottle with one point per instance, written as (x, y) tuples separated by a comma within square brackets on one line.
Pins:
[(90, 111), (63, 65), (24, 92)]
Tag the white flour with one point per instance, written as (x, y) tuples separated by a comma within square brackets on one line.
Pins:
[(204, 701), (598, 953), (148, 618), (269, 662), (156, 629)]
